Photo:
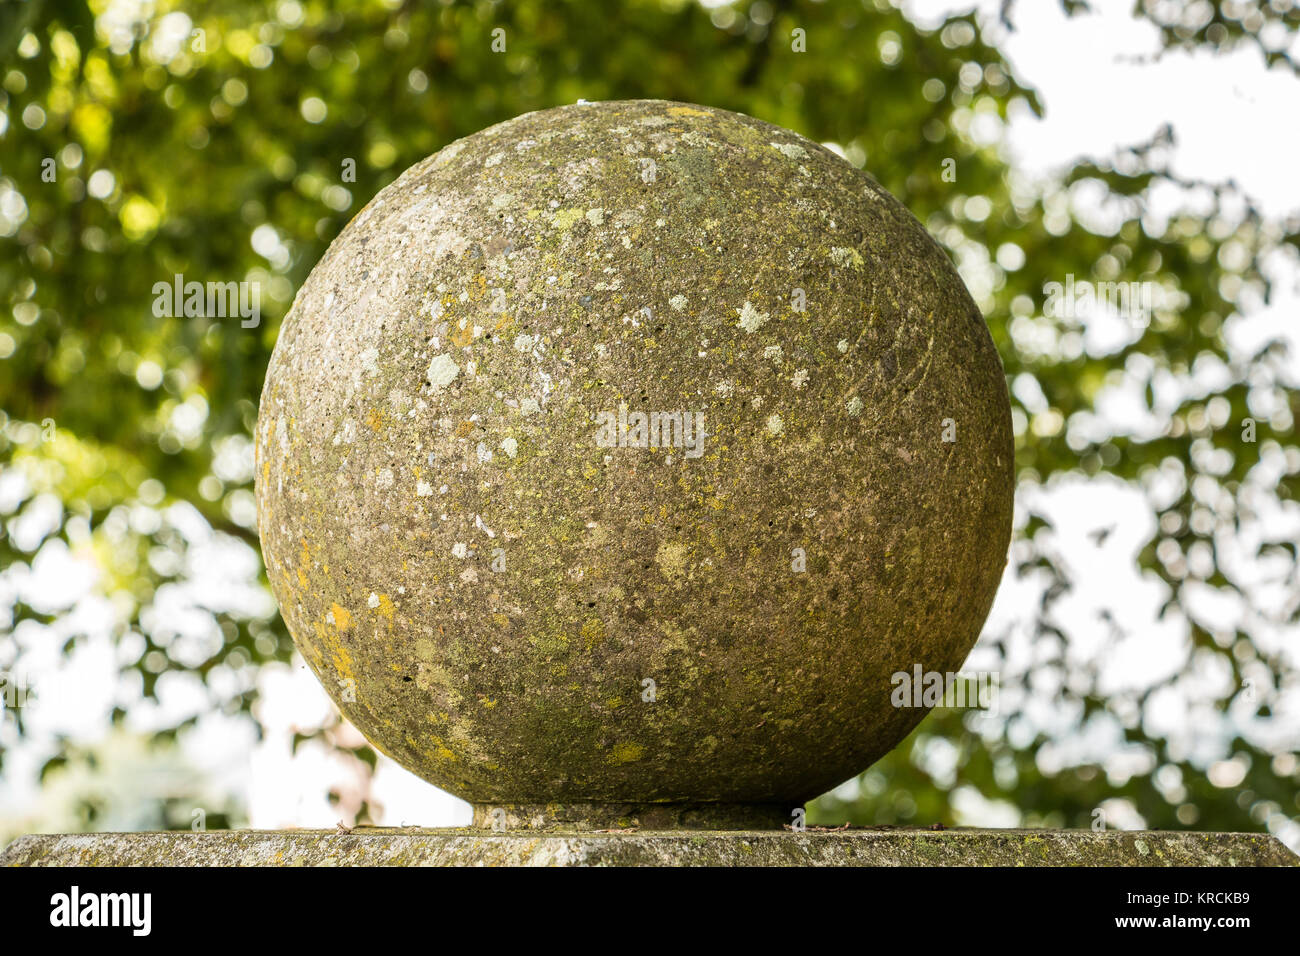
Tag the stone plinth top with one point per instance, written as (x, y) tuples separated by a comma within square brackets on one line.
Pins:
[(374, 846)]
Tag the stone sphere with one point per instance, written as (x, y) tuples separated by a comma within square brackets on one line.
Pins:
[(613, 460)]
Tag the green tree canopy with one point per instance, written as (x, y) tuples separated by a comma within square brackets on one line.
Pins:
[(218, 140)]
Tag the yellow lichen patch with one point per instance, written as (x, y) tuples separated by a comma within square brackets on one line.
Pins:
[(685, 111), (343, 663), (342, 617), (385, 609), (441, 751), (304, 562), (565, 218), (461, 337), (593, 632), (464, 429), (625, 753), (671, 558), (555, 644), (375, 419)]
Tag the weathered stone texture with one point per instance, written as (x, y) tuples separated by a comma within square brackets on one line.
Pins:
[(891, 847), (434, 395)]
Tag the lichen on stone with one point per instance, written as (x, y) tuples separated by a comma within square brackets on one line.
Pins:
[(428, 432)]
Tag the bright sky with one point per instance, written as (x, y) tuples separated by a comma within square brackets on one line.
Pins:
[(1232, 119)]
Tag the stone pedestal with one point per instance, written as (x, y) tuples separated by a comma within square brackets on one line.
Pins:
[(375, 846)]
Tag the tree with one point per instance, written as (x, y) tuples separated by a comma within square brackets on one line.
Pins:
[(231, 142)]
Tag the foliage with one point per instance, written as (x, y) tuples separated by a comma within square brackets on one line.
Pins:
[(220, 154)]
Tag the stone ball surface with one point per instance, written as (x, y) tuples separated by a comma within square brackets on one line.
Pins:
[(623, 452)]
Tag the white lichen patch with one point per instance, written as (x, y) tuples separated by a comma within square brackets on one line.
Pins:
[(751, 320), (448, 243), (442, 371), (384, 478), (596, 216), (775, 425), (800, 378), (529, 406), (844, 257), (510, 447), (842, 345), (424, 489), (792, 150), (725, 389), (773, 353), (447, 154), (459, 550), (347, 433), (372, 602), (854, 406), (678, 302), (523, 342)]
